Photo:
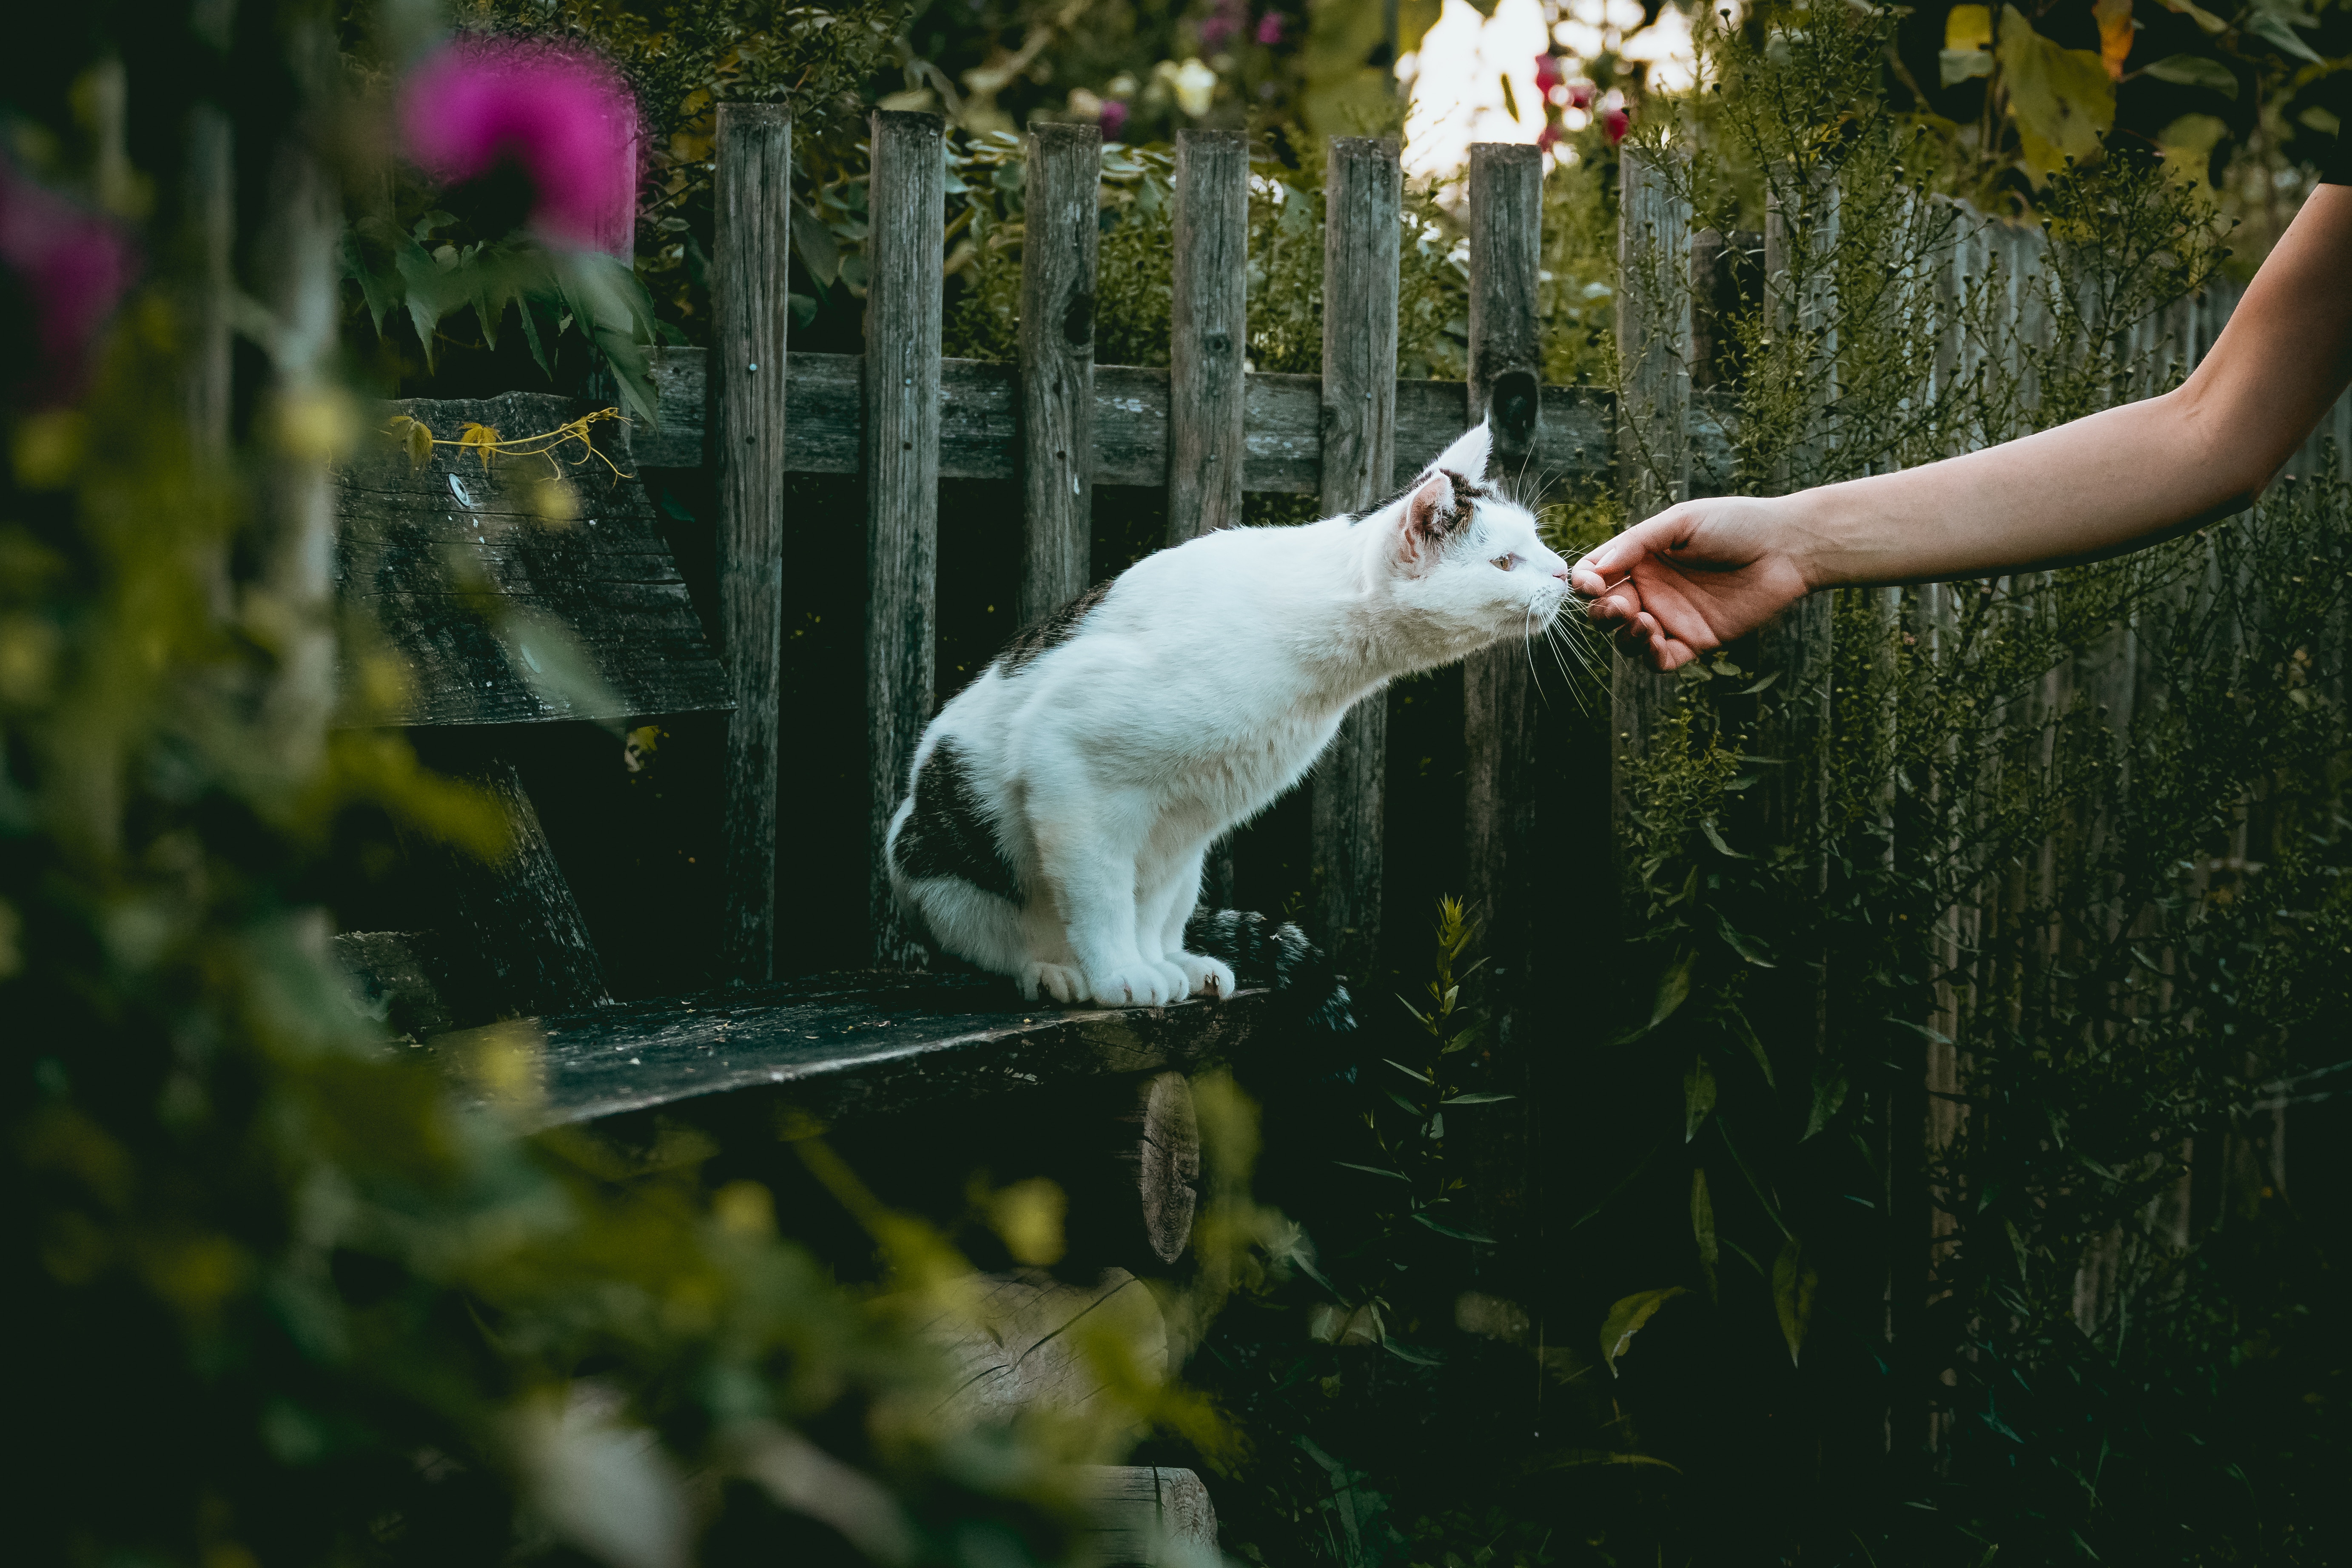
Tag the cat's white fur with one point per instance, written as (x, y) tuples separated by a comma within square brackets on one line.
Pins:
[(1203, 685)]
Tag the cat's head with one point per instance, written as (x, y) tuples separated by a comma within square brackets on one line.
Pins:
[(1455, 558)]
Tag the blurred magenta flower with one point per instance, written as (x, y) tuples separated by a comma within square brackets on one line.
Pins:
[(1616, 122), (1269, 28), (1113, 119), (1579, 94), (561, 115), (1549, 135), (1547, 73), (68, 269)]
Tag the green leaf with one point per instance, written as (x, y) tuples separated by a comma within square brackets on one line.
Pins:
[(1576, 1458), (1746, 1031), (1706, 825), (1702, 1212), (1765, 684), (1673, 988), (2277, 30), (1442, 1228), (1377, 1170), (1480, 1099), (1794, 1283), (2195, 71), (1919, 1028), (1828, 1094), (1423, 1078), (1627, 1317), (1407, 1106), (820, 250), (1414, 1353), (1957, 65), (1698, 1096), (1747, 947)]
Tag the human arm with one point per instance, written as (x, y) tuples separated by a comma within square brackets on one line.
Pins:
[(1699, 574)]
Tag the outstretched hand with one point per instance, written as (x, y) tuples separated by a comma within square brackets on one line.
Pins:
[(1693, 578)]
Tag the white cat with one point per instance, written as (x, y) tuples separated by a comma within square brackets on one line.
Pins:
[(1059, 807)]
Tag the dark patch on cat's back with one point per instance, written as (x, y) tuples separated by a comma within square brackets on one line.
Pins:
[(947, 834), (1049, 634)]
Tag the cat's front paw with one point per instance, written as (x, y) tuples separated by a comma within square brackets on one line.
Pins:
[(1204, 976), (1058, 980), (1138, 985)]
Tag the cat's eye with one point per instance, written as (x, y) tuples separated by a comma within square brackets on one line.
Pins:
[(1505, 562)]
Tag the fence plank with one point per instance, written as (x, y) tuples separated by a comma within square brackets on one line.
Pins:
[(751, 314), (515, 918), (1501, 707), (1653, 335), (907, 216), (1057, 364), (1207, 333), (1363, 198)]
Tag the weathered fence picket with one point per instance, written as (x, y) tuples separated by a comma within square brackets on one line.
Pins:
[(1060, 202)]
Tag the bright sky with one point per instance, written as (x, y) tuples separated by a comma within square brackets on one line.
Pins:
[(1456, 76)]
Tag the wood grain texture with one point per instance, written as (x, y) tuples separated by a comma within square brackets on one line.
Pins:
[(1023, 1342), (514, 922), (1060, 204), (501, 615), (1653, 335), (1501, 708), (1168, 1163), (1363, 194), (750, 315), (979, 423), (843, 1047), (906, 218), (1207, 333), (1143, 1516)]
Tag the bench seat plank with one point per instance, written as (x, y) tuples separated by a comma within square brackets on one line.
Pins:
[(501, 615), (839, 1045)]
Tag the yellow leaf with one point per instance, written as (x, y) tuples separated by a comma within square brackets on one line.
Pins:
[(1969, 28), (2198, 13), (2061, 99), (1626, 1318), (2114, 19), (479, 438)]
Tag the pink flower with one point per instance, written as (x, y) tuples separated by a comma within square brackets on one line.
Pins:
[(1113, 119), (1547, 73), (1269, 28), (1580, 95), (1215, 30), (1549, 135), (70, 267), (560, 114), (1616, 122)]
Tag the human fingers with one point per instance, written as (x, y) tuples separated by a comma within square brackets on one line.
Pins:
[(1602, 566)]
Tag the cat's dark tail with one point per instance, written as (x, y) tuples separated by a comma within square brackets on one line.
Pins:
[(1262, 952)]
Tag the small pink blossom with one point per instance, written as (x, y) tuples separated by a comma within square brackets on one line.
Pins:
[(1269, 28), (561, 115), (1216, 31), (1113, 119), (1547, 73), (71, 268), (1579, 94), (1614, 123), (1549, 135)]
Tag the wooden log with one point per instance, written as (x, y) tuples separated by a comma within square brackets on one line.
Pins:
[(504, 609), (1060, 204), (979, 434), (1364, 194), (751, 314), (1020, 1342), (1653, 335), (906, 216), (1207, 333), (1502, 706), (514, 922), (1144, 1515), (1168, 1163)]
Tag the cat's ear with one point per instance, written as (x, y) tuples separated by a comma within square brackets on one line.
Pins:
[(1423, 523), (1469, 455)]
